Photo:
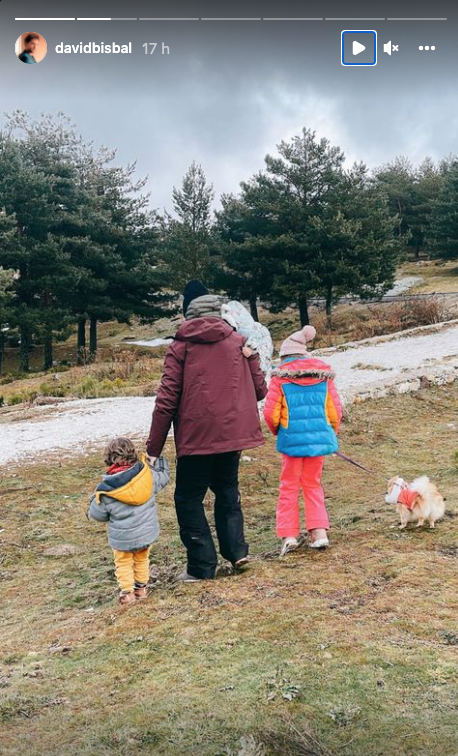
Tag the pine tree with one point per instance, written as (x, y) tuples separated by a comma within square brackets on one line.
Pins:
[(429, 180), (280, 204), (187, 238), (246, 260), (443, 231), (6, 296), (307, 227), (115, 245), (36, 189), (398, 180), (86, 242), (357, 253)]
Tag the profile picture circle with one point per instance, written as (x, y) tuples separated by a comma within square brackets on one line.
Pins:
[(31, 47)]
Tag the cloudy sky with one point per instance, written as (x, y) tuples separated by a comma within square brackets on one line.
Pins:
[(230, 91)]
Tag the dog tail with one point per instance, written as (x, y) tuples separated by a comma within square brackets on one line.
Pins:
[(421, 485)]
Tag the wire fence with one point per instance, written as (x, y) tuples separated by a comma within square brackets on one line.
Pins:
[(387, 299)]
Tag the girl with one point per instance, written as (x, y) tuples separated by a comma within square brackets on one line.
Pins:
[(304, 411)]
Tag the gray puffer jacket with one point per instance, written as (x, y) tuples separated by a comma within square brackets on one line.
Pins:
[(126, 500)]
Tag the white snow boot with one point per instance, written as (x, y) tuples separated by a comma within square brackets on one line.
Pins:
[(287, 545)]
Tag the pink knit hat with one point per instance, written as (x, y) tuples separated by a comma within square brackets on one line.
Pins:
[(297, 342)]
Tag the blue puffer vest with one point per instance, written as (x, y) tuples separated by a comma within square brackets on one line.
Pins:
[(309, 432)]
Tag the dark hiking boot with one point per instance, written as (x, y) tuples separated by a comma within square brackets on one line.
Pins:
[(184, 577), (241, 562)]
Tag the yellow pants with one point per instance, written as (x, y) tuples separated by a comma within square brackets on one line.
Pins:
[(132, 568)]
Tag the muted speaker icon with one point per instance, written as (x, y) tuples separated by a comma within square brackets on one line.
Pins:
[(389, 48)]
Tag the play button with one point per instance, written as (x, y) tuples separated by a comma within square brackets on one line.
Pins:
[(358, 47)]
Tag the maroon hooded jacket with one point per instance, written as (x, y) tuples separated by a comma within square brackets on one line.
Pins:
[(209, 391)]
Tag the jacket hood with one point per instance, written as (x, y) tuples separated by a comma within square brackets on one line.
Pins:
[(206, 306), (204, 330), (308, 368), (133, 486)]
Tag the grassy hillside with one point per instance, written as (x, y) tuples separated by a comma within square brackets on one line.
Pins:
[(438, 275), (359, 644)]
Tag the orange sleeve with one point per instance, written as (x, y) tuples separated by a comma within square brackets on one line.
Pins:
[(333, 406), (273, 405)]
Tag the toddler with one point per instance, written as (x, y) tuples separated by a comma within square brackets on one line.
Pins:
[(126, 500)]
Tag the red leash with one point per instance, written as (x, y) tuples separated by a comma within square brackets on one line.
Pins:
[(352, 462)]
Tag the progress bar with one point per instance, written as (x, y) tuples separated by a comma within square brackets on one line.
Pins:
[(44, 19), (169, 19), (416, 19), (230, 19)]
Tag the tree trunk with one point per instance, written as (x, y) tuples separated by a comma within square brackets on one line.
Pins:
[(25, 332), (48, 363), (254, 307), (81, 343), (304, 311), (329, 305), (48, 336), (93, 336), (2, 349), (26, 345)]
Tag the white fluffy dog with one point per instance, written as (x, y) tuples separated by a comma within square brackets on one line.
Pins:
[(419, 501)]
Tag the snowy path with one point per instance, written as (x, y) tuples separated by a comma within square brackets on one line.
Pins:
[(84, 425), (391, 358), (403, 285), (81, 425)]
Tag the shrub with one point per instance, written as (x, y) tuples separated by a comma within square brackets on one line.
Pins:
[(15, 399), (425, 311), (93, 388), (24, 396), (52, 389), (357, 322)]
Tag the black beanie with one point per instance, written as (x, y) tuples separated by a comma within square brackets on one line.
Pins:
[(192, 290)]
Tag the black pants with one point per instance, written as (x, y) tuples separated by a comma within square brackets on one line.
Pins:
[(195, 475)]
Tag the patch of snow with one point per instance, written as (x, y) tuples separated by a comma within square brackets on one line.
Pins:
[(151, 343), (83, 425), (396, 356), (403, 285)]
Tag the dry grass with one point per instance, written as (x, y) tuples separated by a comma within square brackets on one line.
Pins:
[(353, 646), (289, 740), (357, 322), (438, 276), (122, 372)]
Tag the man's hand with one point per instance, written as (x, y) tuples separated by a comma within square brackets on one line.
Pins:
[(150, 460), (247, 352)]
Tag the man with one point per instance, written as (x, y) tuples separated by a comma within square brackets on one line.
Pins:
[(210, 388), (31, 43)]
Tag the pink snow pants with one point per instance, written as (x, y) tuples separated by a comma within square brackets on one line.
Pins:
[(300, 473)]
